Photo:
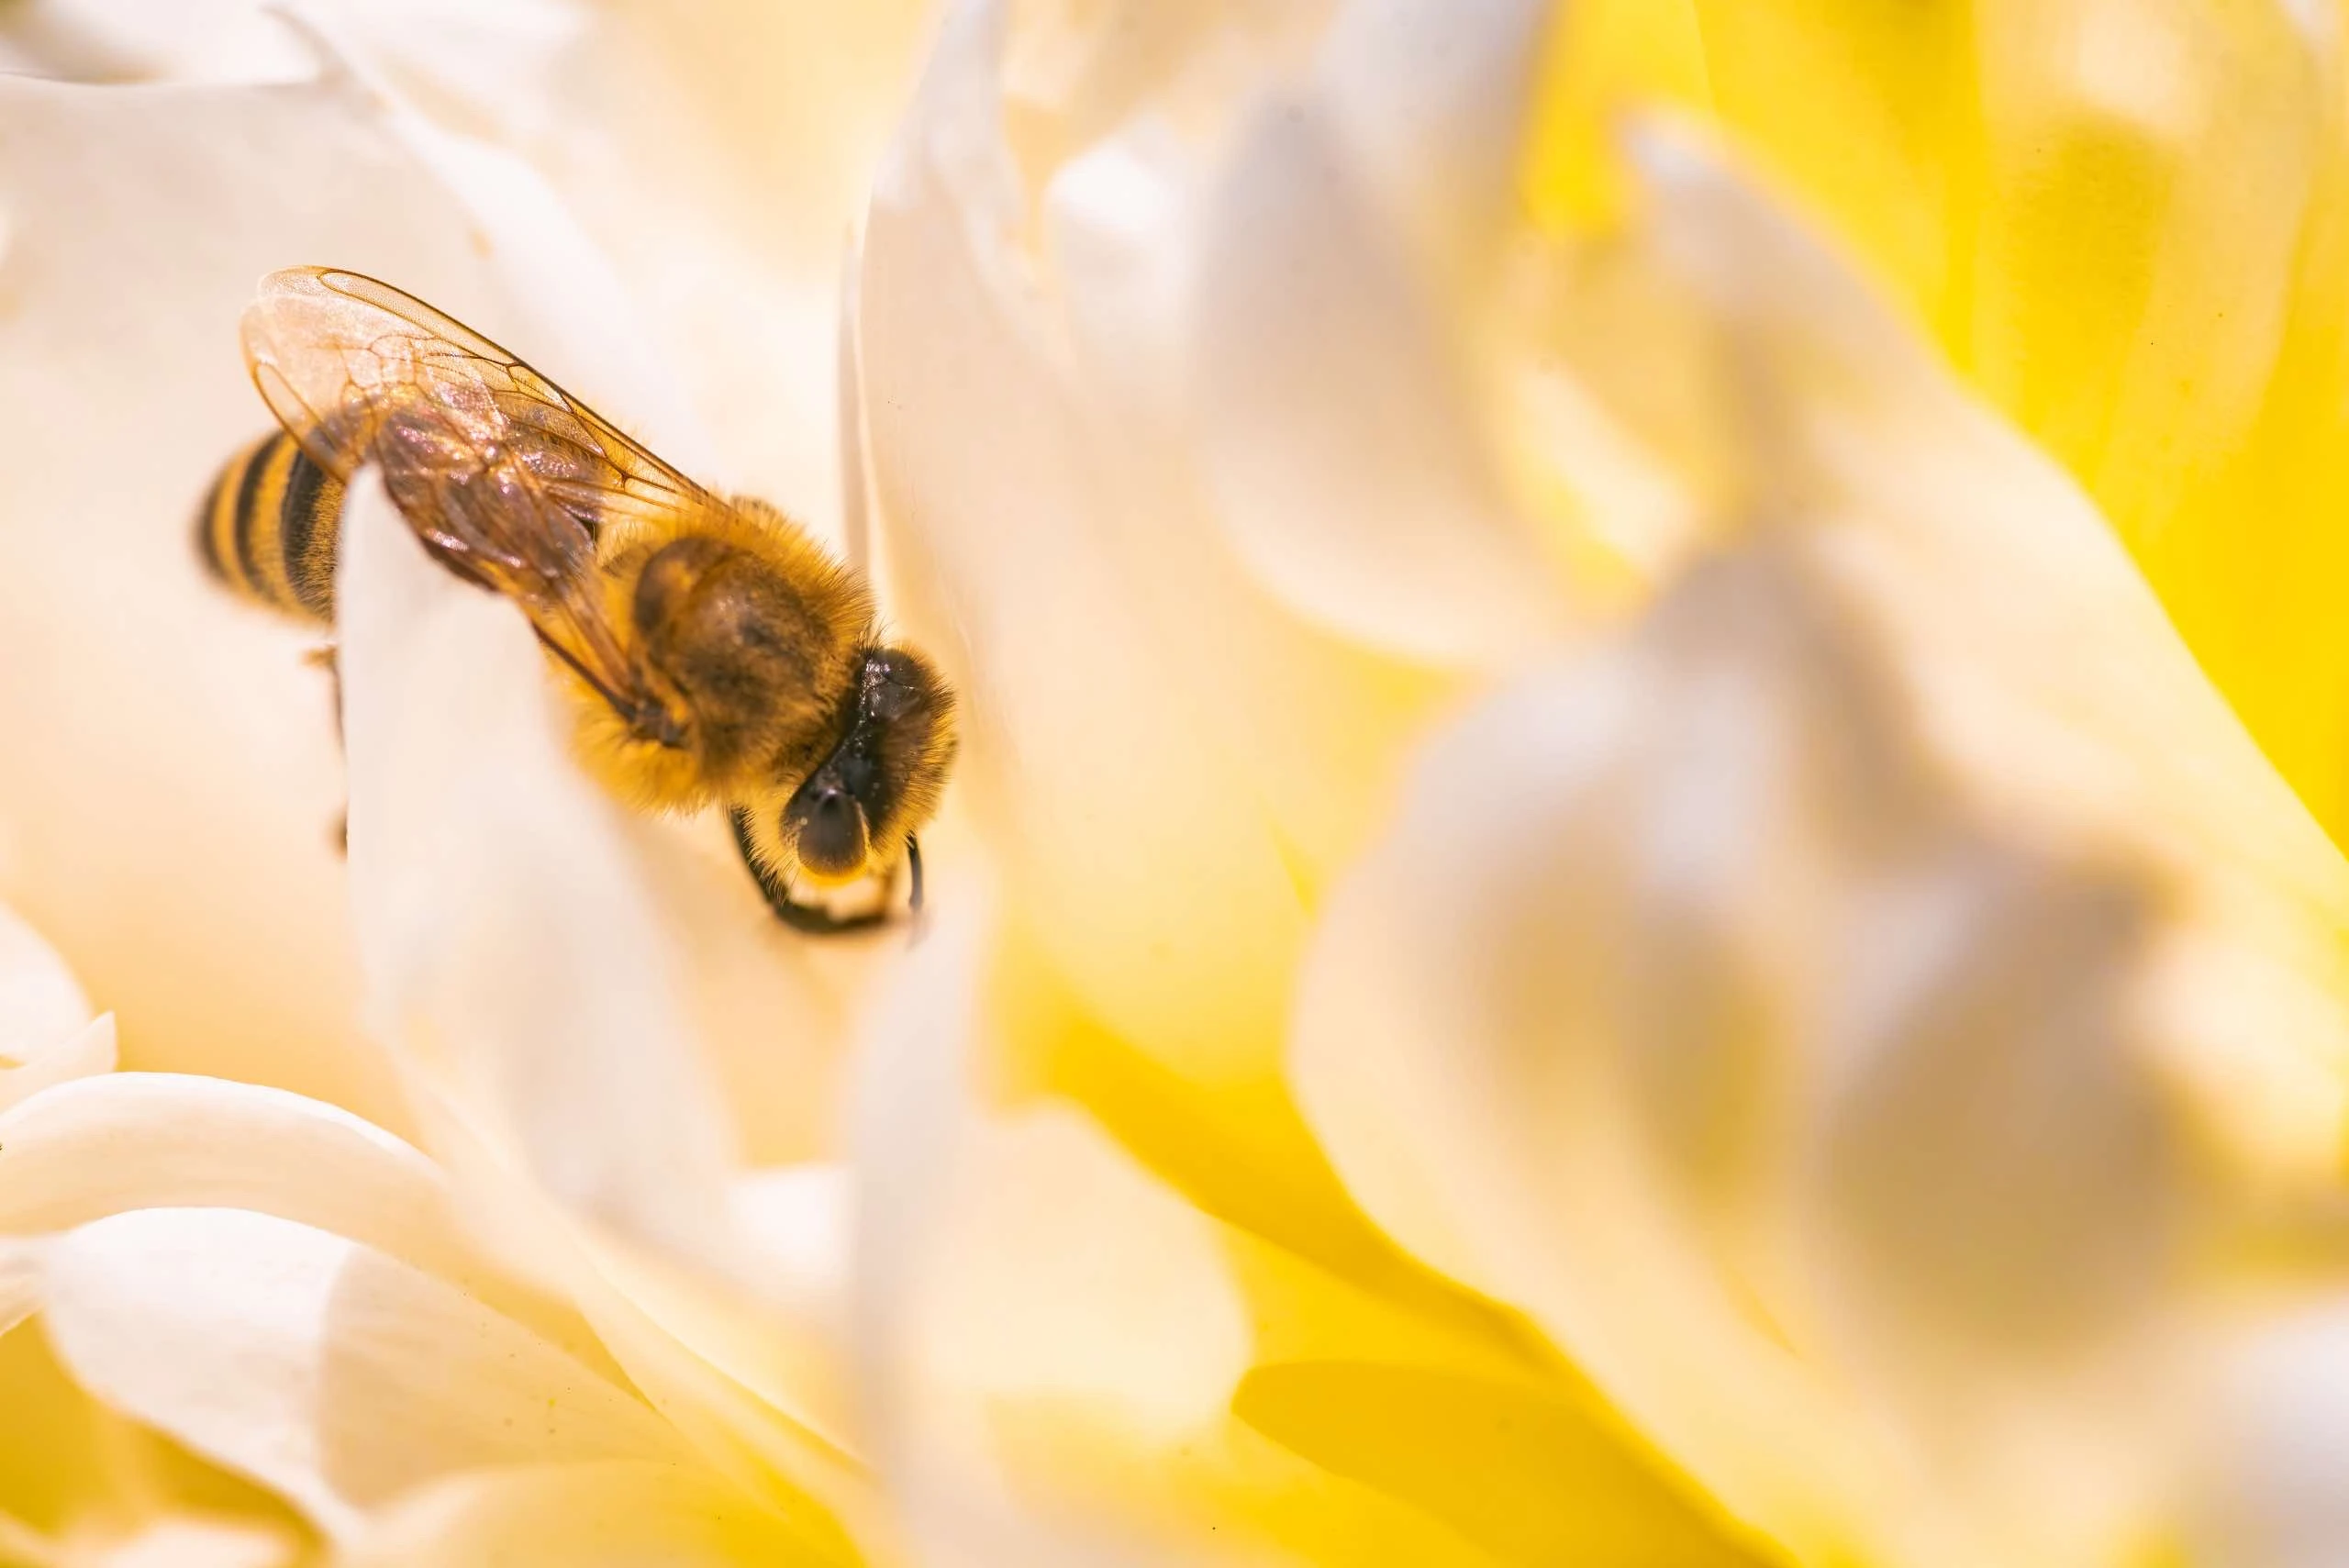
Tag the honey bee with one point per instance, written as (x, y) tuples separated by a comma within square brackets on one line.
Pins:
[(717, 656)]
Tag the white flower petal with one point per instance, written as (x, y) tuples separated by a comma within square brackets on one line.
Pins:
[(183, 1541), (1433, 95), (1597, 875), (1317, 724), (110, 1144), (1066, 1273), (1995, 1162), (1337, 421), (1629, 1001), (87, 1052), (174, 833), (799, 1221), (606, 1515), (1080, 758), (326, 1369), (1015, 1273), (510, 944), (2268, 1489)]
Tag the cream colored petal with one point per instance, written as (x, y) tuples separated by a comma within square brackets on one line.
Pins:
[(519, 962), (799, 1220), (1338, 418), (1806, 895), (1687, 1011), (123, 1141), (718, 155), (327, 1370), (723, 153), (1081, 762), (1433, 95), (1065, 1274), (237, 985), (87, 1149), (182, 1542), (2268, 1490), (1317, 724), (594, 1515), (511, 951), (1023, 1294), (751, 1387), (174, 833), (1600, 901)]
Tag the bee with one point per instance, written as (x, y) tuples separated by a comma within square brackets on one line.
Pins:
[(716, 654)]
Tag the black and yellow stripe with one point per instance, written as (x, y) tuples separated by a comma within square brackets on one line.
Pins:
[(267, 527)]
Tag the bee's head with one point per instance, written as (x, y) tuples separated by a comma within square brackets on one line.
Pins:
[(853, 813)]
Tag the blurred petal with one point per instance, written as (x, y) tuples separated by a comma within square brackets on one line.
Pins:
[(2122, 221), (1315, 721), (2269, 1489), (2042, 667), (1434, 96), (957, 1264), (1568, 1034), (1339, 424), (594, 1515), (1752, 918), (328, 1371), (1048, 1340)]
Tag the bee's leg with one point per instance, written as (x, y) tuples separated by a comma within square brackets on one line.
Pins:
[(798, 917), (913, 870)]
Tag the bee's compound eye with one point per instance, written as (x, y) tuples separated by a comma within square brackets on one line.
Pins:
[(831, 831)]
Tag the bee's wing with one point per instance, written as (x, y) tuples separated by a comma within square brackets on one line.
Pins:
[(503, 476)]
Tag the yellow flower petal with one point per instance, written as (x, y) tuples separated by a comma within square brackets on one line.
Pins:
[(1935, 665), (2121, 221), (1530, 1477), (602, 1514)]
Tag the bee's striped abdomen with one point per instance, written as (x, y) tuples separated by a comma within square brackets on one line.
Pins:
[(267, 526)]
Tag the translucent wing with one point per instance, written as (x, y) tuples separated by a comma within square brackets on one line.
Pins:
[(502, 475)]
